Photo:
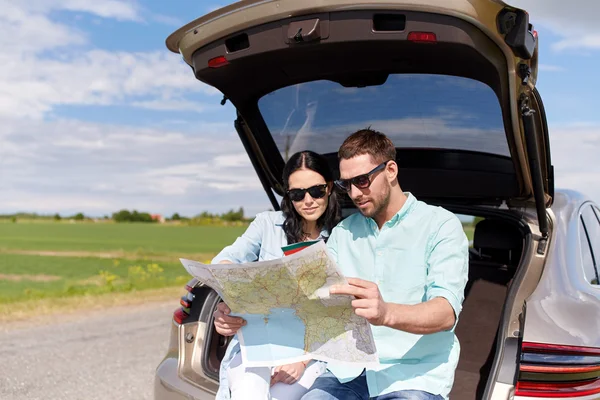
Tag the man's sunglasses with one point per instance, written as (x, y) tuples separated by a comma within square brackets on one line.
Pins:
[(316, 192), (361, 181)]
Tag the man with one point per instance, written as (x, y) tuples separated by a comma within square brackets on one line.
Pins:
[(409, 263)]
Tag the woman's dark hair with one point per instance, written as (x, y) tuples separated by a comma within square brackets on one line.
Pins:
[(293, 226)]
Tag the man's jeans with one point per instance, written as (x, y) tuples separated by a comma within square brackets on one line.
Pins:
[(327, 387)]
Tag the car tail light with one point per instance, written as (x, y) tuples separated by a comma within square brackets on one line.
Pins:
[(179, 316), (185, 303), (422, 37), (183, 312), (557, 371), (217, 62)]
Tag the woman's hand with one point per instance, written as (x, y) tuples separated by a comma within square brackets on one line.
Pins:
[(289, 373), (224, 324)]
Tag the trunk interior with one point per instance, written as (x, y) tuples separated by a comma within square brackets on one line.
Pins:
[(494, 258), (493, 261)]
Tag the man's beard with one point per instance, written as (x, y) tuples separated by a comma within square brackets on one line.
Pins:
[(379, 205)]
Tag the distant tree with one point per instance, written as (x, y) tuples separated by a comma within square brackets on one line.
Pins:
[(232, 215), (57, 217), (79, 217), (122, 216), (132, 216), (176, 217), (145, 217), (205, 214), (13, 219)]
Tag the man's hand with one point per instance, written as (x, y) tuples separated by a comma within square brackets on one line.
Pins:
[(224, 324), (289, 373), (368, 304)]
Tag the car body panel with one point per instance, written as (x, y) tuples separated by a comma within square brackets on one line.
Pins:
[(501, 391), (564, 308), (168, 385), (175, 378)]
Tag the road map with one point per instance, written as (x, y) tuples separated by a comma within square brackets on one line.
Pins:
[(291, 315)]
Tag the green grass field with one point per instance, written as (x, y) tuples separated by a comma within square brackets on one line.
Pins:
[(33, 277), (44, 260), (107, 237)]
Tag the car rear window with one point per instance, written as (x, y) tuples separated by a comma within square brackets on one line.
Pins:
[(414, 110)]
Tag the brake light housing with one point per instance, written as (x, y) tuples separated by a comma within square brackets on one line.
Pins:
[(422, 37), (558, 371), (217, 62), (181, 314)]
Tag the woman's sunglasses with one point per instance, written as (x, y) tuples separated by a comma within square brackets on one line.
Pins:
[(361, 181), (316, 192)]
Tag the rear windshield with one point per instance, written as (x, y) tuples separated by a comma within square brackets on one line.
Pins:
[(414, 110)]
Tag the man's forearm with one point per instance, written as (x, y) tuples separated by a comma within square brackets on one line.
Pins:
[(435, 315)]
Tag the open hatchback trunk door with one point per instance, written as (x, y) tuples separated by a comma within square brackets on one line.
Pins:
[(452, 83)]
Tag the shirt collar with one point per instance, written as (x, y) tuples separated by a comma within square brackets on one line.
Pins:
[(324, 234), (407, 207)]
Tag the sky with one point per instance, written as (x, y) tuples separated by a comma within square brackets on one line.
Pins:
[(96, 115)]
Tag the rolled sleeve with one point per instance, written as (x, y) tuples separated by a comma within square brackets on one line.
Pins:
[(246, 248), (448, 265)]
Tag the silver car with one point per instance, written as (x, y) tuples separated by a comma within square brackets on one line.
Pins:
[(452, 83)]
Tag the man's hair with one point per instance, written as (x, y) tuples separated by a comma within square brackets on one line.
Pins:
[(368, 141)]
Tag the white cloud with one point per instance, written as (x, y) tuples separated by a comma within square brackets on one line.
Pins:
[(167, 20), (27, 28), (575, 149), (117, 9), (550, 68), (32, 86), (25, 32), (26, 201), (578, 42), (171, 105), (66, 165), (576, 23), (44, 64), (232, 160)]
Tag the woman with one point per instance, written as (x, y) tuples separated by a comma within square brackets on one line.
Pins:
[(310, 210)]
